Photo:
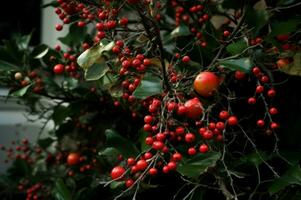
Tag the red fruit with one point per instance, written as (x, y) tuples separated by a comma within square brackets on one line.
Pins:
[(259, 89), (264, 79), (224, 115), (271, 93), (165, 169), (260, 123), (148, 155), (191, 151), (282, 62), (194, 108), (141, 165), (81, 24), (172, 165), (232, 121), (117, 172), (131, 161), (123, 21), (149, 140), (208, 135), (136, 62), (73, 159), (256, 70), (273, 111), (148, 119), (180, 130), (220, 125), (211, 126), (203, 148), (274, 125), (239, 75), (177, 157), (189, 137), (251, 101), (59, 69), (226, 33), (206, 83), (59, 27), (153, 171), (129, 183), (147, 128), (181, 110), (186, 59), (158, 145), (116, 49), (146, 61)]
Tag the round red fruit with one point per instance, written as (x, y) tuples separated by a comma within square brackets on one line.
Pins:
[(203, 148), (189, 137), (191, 151), (186, 59), (73, 159), (117, 172), (59, 69), (193, 108), (232, 120), (129, 183), (224, 115), (141, 165), (260, 123), (206, 83)]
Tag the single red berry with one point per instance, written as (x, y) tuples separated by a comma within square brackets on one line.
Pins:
[(172, 165), (186, 59), (224, 115), (181, 110), (239, 75), (189, 137), (260, 123), (226, 33), (117, 172), (59, 27), (271, 93), (148, 119), (153, 171), (177, 157), (141, 165), (129, 183), (259, 89), (251, 100), (149, 140), (165, 169), (220, 125), (191, 151), (131, 161), (273, 111), (274, 125), (59, 69), (208, 135), (148, 155), (81, 24), (158, 145), (232, 120), (256, 70), (203, 148)]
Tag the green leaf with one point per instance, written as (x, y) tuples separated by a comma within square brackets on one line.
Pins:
[(241, 64), (45, 142), (256, 19), (237, 47), (291, 177), (181, 30), (40, 51), (150, 85), (96, 71), (294, 68), (284, 27), (21, 92), (255, 158), (61, 190), (5, 66), (23, 41), (110, 154), (142, 136), (60, 113), (199, 164), (125, 146), (75, 36), (94, 55)]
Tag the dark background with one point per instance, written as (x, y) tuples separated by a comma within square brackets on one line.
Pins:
[(20, 16)]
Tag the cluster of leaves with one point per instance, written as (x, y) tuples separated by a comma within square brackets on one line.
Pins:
[(94, 118)]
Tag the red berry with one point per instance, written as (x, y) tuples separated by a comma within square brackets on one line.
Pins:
[(172, 165), (220, 125), (203, 148), (256, 71), (239, 75), (226, 33), (208, 135), (186, 59), (273, 111), (131, 161), (148, 119), (232, 121), (191, 151), (251, 101), (165, 169), (189, 137), (224, 115), (81, 24), (149, 140), (177, 157), (153, 171), (274, 125), (260, 123), (271, 93), (117, 172), (181, 110), (180, 130), (73, 159), (59, 69), (129, 183), (59, 27), (194, 108), (158, 145), (141, 165), (259, 89)]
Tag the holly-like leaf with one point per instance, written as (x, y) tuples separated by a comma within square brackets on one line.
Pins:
[(237, 47), (6, 66), (284, 27), (199, 164), (21, 92), (76, 35), (60, 113), (256, 19), (61, 190), (125, 146), (93, 55), (291, 177), (293, 68), (255, 158), (40, 51), (150, 85), (181, 30), (96, 71), (45, 142), (241, 64)]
